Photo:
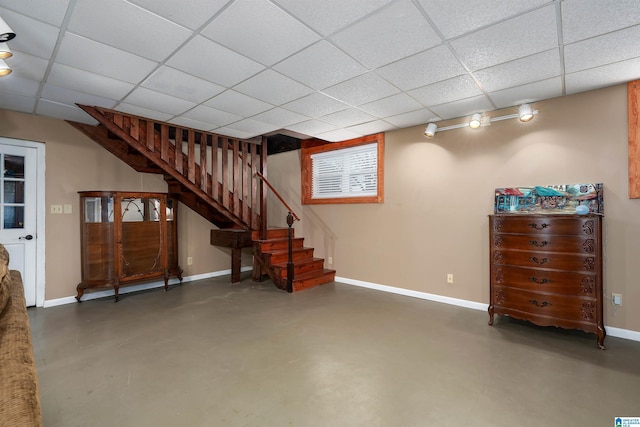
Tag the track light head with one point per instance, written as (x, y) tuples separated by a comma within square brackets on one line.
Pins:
[(525, 112), (6, 33), (430, 130), (476, 121), (4, 68), (5, 52)]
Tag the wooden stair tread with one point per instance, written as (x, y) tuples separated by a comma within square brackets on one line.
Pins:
[(302, 276), (301, 261)]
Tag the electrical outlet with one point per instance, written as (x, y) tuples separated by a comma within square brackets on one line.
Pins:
[(56, 209), (330, 260), (67, 209), (450, 278), (616, 299), (189, 260)]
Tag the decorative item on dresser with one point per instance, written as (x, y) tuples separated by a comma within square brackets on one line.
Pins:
[(547, 269), (127, 238)]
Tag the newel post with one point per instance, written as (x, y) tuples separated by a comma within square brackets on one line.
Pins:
[(290, 258)]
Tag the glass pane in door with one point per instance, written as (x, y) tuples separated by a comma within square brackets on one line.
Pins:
[(12, 197)]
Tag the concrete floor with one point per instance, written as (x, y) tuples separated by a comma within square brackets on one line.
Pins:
[(209, 353)]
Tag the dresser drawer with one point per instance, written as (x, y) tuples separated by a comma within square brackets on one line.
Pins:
[(546, 260), (538, 280), (580, 244), (546, 224), (541, 304)]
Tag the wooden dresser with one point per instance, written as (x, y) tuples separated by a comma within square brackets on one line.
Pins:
[(547, 269)]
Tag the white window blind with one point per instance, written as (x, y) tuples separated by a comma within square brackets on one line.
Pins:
[(347, 172)]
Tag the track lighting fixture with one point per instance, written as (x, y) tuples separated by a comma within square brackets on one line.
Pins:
[(525, 114), (476, 121), (4, 68), (430, 130)]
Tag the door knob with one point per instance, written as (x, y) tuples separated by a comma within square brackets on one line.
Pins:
[(27, 237)]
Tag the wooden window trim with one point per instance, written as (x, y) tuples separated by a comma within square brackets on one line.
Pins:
[(314, 146)]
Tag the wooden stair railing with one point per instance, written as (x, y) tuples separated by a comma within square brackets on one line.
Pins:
[(237, 202)]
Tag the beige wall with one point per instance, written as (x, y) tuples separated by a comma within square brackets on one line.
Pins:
[(439, 192), (75, 163)]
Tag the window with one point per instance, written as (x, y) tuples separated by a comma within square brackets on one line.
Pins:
[(343, 172)]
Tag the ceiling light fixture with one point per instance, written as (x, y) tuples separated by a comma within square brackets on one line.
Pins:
[(6, 33), (430, 130), (4, 68), (525, 114), (5, 52), (476, 121)]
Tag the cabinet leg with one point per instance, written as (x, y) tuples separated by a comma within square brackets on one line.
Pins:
[(80, 290), (490, 315), (116, 290), (601, 336)]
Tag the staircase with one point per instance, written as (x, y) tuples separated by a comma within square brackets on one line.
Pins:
[(222, 179)]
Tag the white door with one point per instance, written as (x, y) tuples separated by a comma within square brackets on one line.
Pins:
[(18, 201)]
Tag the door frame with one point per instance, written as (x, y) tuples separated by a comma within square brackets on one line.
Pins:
[(40, 211)]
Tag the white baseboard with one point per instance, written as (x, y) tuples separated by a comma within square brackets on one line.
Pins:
[(611, 331), (141, 287)]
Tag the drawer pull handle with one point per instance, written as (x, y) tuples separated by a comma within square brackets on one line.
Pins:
[(540, 282), (539, 227), (539, 244), (539, 304), (539, 261)]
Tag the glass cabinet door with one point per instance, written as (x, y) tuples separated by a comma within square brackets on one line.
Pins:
[(97, 240), (142, 236)]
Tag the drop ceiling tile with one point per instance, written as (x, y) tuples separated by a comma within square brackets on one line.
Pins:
[(212, 62), (460, 87), (613, 47), (253, 127), (80, 52), (425, 68), (362, 89), (312, 127), (272, 87), (49, 11), (216, 118), (16, 102), (27, 66), (159, 101), (320, 65), (138, 30), (600, 17), (338, 135), (66, 96), (456, 17), (518, 37), (233, 133), (33, 37), (193, 16), (260, 30), (545, 89), (136, 110), (370, 128), (413, 118), (532, 68), (328, 16), (181, 85), (606, 75), (84, 81), (280, 117), (189, 123), (464, 107), (391, 106), (349, 117), (63, 112), (17, 85), (238, 103), (390, 34), (316, 105)]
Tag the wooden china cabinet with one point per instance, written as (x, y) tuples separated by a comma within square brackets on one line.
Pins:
[(127, 238), (547, 269)]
